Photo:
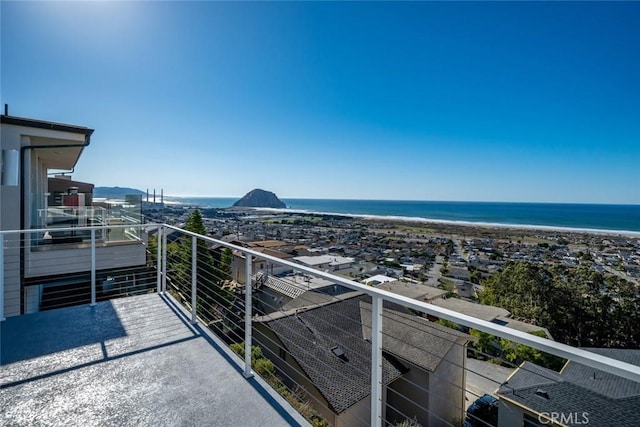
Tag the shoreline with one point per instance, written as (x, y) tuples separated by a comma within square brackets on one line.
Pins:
[(396, 218)]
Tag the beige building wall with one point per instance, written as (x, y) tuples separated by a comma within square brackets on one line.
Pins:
[(408, 396), (447, 389), (34, 171)]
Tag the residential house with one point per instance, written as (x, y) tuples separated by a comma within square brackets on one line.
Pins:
[(38, 263), (463, 288), (489, 313), (378, 279), (577, 395), (331, 263), (325, 347), (259, 264), (415, 291), (280, 293)]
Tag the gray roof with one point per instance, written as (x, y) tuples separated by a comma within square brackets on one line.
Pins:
[(606, 384), (608, 400), (521, 326), (413, 338), (481, 311), (308, 298), (309, 337), (410, 290)]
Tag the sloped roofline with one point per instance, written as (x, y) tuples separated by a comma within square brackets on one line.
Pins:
[(42, 124)]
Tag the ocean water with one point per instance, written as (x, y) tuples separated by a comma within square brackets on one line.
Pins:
[(562, 215)]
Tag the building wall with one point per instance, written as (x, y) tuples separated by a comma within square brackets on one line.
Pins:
[(238, 271), (270, 300), (35, 174), (357, 415), (447, 389), (55, 260), (509, 415), (10, 220), (408, 396)]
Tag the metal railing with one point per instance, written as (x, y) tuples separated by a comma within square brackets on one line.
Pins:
[(34, 277), (69, 224), (343, 353)]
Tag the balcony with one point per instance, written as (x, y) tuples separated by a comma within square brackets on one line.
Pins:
[(184, 344), (129, 361), (64, 246), (68, 224)]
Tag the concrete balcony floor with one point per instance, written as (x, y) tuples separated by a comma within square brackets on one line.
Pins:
[(130, 361)]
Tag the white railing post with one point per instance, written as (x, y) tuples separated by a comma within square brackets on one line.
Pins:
[(194, 273), (248, 373), (376, 360), (93, 266), (164, 263), (159, 271), (2, 278)]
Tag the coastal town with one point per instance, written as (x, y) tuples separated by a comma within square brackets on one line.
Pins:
[(424, 252), (457, 243), (447, 265)]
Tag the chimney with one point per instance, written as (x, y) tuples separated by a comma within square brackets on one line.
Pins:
[(6, 109), (154, 196), (147, 195), (162, 196)]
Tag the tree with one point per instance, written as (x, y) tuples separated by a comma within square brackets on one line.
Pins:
[(579, 306), (226, 259), (212, 298), (195, 224)]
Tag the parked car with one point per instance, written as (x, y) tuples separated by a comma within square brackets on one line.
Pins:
[(483, 412)]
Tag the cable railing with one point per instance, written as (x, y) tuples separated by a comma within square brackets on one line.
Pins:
[(35, 278), (344, 353)]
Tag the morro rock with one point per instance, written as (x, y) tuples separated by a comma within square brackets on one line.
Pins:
[(260, 199)]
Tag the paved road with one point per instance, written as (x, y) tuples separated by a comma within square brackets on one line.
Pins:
[(484, 377), (434, 275), (458, 248)]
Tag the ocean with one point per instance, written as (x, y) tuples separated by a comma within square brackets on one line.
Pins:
[(556, 215)]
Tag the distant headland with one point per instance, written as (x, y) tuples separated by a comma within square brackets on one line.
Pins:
[(115, 192)]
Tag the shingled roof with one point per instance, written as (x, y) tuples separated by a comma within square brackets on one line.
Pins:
[(310, 335), (413, 338), (606, 399)]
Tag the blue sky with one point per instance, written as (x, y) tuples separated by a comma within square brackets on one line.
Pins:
[(415, 101)]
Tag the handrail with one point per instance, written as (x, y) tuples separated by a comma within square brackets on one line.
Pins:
[(603, 363), (87, 228), (606, 364)]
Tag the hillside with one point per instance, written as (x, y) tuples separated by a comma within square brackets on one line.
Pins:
[(115, 192), (260, 199)]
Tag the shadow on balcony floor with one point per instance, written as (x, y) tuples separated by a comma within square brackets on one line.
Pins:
[(131, 361)]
